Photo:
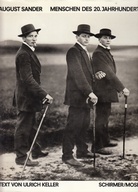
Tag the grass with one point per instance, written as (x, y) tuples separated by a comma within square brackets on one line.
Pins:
[(53, 80)]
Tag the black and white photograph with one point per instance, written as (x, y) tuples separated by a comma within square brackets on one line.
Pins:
[(68, 95)]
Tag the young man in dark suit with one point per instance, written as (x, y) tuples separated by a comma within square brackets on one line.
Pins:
[(106, 89), (28, 96), (79, 83)]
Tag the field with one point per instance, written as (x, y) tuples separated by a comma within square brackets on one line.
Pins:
[(53, 79)]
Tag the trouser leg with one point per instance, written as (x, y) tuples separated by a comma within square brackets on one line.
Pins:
[(106, 136), (24, 133), (103, 111), (75, 132), (82, 147)]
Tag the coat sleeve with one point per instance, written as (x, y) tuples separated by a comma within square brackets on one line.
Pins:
[(100, 64), (76, 71), (26, 76)]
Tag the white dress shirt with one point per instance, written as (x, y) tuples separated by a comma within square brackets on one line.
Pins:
[(32, 48)]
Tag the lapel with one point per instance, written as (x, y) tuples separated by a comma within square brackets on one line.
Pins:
[(36, 62), (86, 58), (108, 55)]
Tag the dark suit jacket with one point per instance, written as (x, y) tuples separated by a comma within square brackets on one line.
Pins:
[(106, 89), (79, 77), (28, 93)]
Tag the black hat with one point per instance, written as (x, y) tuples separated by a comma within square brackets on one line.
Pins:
[(106, 32), (26, 29), (83, 28)]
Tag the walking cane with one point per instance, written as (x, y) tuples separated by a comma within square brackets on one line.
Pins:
[(44, 114), (124, 132), (93, 106), (94, 114)]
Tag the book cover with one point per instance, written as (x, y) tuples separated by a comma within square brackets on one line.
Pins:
[(57, 20)]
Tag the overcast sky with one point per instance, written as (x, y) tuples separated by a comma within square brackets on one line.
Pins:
[(57, 27)]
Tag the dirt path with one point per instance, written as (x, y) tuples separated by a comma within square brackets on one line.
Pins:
[(111, 167)]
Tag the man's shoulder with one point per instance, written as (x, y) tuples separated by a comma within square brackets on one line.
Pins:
[(23, 50), (75, 48), (22, 54), (98, 50)]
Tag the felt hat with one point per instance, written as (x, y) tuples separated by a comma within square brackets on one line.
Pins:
[(26, 29), (106, 32), (83, 28)]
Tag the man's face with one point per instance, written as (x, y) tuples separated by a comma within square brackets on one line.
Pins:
[(105, 40), (83, 38), (31, 39)]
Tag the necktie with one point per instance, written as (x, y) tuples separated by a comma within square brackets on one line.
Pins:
[(88, 54)]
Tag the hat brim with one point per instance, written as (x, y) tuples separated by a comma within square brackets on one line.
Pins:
[(79, 32), (24, 34), (98, 35)]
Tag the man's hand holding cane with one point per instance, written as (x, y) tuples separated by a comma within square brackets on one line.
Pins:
[(48, 99), (92, 98)]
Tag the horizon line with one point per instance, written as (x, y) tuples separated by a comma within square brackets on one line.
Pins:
[(66, 43)]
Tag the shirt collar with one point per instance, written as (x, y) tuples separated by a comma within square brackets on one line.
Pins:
[(32, 48), (104, 46), (82, 46)]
